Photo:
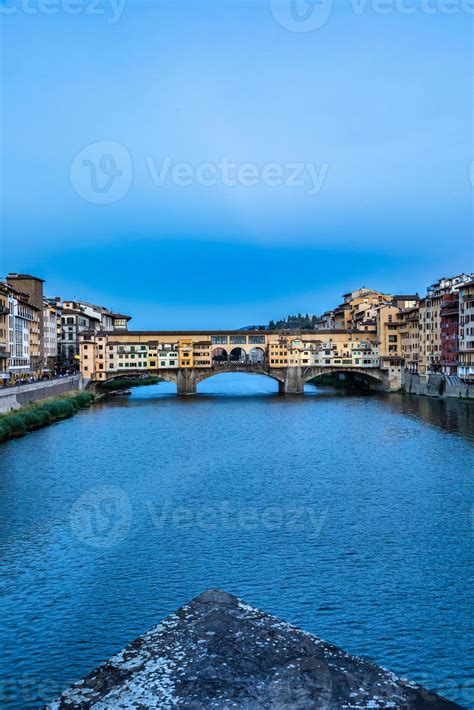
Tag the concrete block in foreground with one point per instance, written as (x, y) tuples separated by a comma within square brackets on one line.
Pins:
[(218, 652)]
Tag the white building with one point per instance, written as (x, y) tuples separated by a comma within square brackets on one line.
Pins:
[(51, 331), (19, 319), (167, 355), (79, 316)]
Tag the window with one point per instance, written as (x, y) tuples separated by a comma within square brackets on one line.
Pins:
[(219, 339), (238, 339), (256, 339)]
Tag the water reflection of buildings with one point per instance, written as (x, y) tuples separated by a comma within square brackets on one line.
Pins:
[(454, 416)]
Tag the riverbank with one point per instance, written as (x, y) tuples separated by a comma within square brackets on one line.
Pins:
[(126, 383), (35, 416), (18, 396), (449, 386), (436, 385)]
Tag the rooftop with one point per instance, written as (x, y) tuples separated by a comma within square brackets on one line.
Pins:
[(121, 315), (219, 652), (406, 296), (25, 277)]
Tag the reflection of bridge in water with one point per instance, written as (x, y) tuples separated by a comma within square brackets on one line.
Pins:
[(190, 357)]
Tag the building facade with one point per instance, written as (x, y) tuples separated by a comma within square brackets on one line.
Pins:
[(80, 316), (21, 314), (409, 334), (52, 333), (32, 288), (466, 331), (4, 340), (431, 355)]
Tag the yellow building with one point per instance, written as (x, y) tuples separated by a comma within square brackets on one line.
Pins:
[(278, 351), (202, 353), (301, 352), (357, 309), (409, 335), (185, 352), (388, 340)]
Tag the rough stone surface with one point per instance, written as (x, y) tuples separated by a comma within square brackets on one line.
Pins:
[(218, 652), (437, 386)]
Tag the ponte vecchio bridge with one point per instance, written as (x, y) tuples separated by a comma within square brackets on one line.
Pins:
[(186, 358)]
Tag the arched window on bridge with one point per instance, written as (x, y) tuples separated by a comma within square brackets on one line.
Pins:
[(238, 355), (257, 355), (219, 355)]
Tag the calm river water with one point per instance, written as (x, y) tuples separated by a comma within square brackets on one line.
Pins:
[(347, 514)]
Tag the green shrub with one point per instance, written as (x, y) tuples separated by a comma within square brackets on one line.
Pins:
[(15, 425), (83, 399), (36, 417), (43, 413), (59, 408)]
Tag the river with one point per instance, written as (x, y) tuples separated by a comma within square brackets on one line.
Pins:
[(348, 514)]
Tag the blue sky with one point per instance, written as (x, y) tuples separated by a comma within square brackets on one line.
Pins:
[(374, 110)]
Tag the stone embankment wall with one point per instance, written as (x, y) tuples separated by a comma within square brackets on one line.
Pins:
[(22, 395), (437, 386)]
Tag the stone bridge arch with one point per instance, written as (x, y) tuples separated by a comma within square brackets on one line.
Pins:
[(291, 380), (373, 376)]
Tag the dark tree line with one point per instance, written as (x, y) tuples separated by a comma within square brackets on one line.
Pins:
[(297, 322)]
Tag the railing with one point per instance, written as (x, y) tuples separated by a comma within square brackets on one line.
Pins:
[(60, 378)]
